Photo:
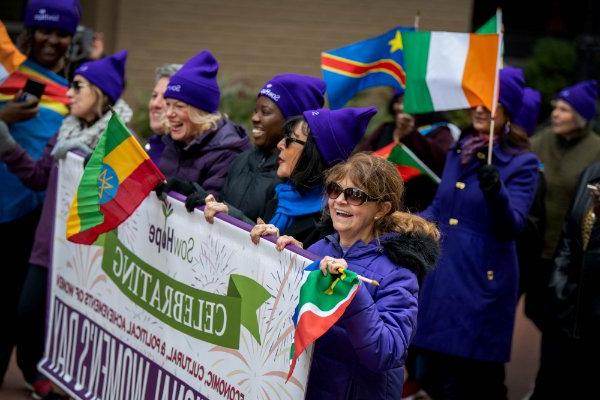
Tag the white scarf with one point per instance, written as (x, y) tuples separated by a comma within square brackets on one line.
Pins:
[(72, 132)]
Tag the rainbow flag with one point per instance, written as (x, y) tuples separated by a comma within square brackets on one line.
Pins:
[(449, 71), (378, 61), (323, 300), (407, 162), (10, 56), (117, 178)]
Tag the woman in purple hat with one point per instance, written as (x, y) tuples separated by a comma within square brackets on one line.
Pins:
[(362, 355), (44, 43), (312, 142), (252, 174), (565, 149), (467, 304), (96, 86), (202, 142)]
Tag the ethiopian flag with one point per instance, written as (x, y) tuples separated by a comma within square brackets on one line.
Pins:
[(115, 181), (323, 300), (449, 71), (407, 162)]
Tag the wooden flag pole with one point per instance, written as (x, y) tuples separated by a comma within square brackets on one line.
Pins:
[(495, 99), (417, 20)]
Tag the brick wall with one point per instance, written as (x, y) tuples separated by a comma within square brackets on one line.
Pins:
[(254, 39)]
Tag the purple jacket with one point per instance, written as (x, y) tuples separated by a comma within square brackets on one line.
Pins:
[(362, 355), (206, 159), (38, 175), (467, 304)]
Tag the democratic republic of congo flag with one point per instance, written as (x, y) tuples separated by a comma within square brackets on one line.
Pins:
[(377, 61), (323, 300), (407, 163), (117, 178)]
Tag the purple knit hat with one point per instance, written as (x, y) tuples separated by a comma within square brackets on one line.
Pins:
[(512, 82), (54, 14), (527, 118), (337, 132), (294, 93), (108, 74), (582, 97), (196, 83)]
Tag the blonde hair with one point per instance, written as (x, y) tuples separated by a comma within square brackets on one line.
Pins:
[(202, 121), (380, 179)]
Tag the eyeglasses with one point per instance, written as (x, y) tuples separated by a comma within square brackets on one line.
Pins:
[(353, 196), (289, 139), (77, 86)]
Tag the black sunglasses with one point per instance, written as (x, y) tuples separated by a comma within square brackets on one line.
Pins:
[(353, 196), (77, 85), (289, 139)]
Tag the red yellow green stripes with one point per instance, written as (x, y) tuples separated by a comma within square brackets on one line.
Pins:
[(356, 69), (116, 180)]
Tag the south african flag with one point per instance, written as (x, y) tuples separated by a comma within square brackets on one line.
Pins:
[(323, 300), (117, 178)]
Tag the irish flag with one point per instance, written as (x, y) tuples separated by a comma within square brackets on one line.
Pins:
[(323, 300), (10, 56), (447, 71), (407, 162), (117, 178)]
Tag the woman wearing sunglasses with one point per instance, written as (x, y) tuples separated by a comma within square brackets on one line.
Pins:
[(252, 174), (312, 142), (362, 355), (96, 86)]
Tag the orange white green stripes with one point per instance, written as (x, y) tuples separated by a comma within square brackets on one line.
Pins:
[(447, 71), (10, 56), (115, 181)]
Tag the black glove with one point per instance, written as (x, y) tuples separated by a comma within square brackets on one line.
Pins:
[(196, 198), (176, 185), (489, 179)]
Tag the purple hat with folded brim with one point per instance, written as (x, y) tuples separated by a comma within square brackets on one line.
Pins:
[(527, 117), (582, 97), (512, 83), (196, 83), (337, 132), (108, 74), (53, 14), (293, 93)]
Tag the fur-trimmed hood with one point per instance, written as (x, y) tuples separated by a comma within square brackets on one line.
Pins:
[(418, 253)]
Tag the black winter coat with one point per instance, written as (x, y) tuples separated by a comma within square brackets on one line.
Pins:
[(573, 304), (248, 183)]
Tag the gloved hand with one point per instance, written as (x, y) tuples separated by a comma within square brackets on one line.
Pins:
[(63, 145), (196, 198), (176, 185), (7, 143), (489, 179)]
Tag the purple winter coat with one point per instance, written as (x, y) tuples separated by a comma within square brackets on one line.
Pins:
[(206, 159), (362, 355), (38, 175), (468, 303)]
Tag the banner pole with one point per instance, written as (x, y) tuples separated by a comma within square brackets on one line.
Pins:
[(495, 99)]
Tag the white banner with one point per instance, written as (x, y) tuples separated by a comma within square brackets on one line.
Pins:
[(170, 307)]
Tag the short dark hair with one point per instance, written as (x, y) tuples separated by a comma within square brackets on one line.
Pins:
[(309, 170)]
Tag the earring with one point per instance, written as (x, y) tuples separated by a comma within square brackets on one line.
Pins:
[(376, 218)]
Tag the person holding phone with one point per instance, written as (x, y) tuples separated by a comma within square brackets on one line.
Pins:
[(32, 118), (96, 87), (572, 301)]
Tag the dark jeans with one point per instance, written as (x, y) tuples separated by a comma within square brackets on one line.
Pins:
[(448, 377), (16, 239), (32, 322), (568, 367)]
